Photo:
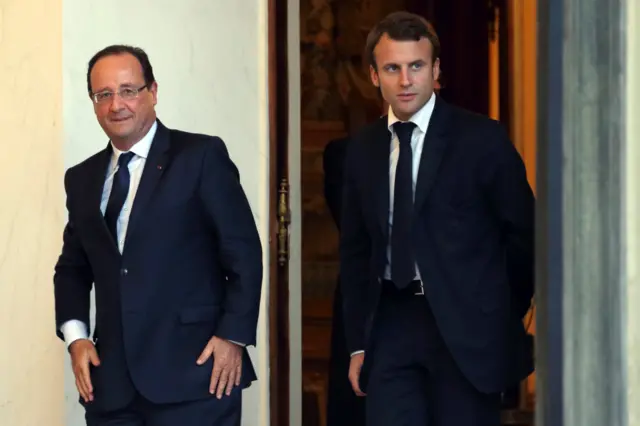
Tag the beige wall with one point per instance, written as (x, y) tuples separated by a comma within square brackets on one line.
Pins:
[(31, 211)]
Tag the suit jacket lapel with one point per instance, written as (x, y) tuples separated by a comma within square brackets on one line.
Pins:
[(433, 150), (96, 189), (381, 146), (154, 167)]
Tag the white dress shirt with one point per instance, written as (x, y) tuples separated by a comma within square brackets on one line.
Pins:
[(76, 329), (421, 119)]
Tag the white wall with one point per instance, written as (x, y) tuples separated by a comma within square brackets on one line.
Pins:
[(210, 61), (31, 212), (295, 228)]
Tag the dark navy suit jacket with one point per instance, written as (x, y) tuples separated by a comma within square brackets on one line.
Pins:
[(191, 269), (473, 238)]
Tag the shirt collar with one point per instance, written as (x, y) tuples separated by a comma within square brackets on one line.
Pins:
[(420, 118), (141, 148)]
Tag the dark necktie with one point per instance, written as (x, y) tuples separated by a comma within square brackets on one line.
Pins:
[(118, 195), (402, 258)]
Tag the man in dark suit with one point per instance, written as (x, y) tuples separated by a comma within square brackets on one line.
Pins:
[(437, 247), (159, 222)]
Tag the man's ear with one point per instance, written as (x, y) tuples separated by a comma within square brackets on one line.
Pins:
[(436, 69), (375, 79), (153, 89)]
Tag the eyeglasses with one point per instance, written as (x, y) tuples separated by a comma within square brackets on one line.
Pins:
[(126, 93)]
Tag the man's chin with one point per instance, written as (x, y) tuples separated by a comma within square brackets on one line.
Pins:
[(404, 112), (119, 134), (120, 129)]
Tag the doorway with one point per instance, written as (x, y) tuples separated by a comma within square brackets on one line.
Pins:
[(321, 93)]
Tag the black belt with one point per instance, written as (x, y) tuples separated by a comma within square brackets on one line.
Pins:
[(415, 287)]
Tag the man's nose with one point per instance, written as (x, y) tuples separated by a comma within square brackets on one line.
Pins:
[(116, 103), (405, 77)]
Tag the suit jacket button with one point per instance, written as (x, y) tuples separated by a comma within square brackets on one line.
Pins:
[(124, 272)]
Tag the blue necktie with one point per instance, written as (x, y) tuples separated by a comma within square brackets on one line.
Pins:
[(119, 192), (402, 256)]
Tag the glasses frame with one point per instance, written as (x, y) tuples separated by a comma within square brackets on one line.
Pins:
[(136, 91)]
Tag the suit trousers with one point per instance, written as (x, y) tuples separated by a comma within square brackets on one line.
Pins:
[(205, 412), (412, 379)]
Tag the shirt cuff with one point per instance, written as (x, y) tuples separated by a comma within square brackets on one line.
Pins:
[(73, 330), (237, 343), (356, 353)]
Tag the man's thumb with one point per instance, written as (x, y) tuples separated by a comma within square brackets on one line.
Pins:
[(93, 356)]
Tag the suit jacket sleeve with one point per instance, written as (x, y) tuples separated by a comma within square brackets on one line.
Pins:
[(512, 201), (239, 244), (355, 255), (73, 276)]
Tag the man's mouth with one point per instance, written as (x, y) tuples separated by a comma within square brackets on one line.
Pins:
[(119, 119), (406, 96)]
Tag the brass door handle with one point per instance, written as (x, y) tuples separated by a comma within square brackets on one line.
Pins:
[(284, 219)]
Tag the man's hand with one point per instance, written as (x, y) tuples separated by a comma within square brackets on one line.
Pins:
[(227, 365), (354, 372), (83, 352)]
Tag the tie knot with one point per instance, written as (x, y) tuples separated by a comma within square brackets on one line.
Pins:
[(404, 131), (125, 157)]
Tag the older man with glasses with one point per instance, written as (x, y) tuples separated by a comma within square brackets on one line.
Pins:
[(160, 225)]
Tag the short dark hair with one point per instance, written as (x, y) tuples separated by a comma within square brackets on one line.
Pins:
[(121, 49), (401, 26)]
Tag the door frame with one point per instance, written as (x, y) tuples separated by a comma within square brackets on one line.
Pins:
[(285, 329), (278, 170)]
